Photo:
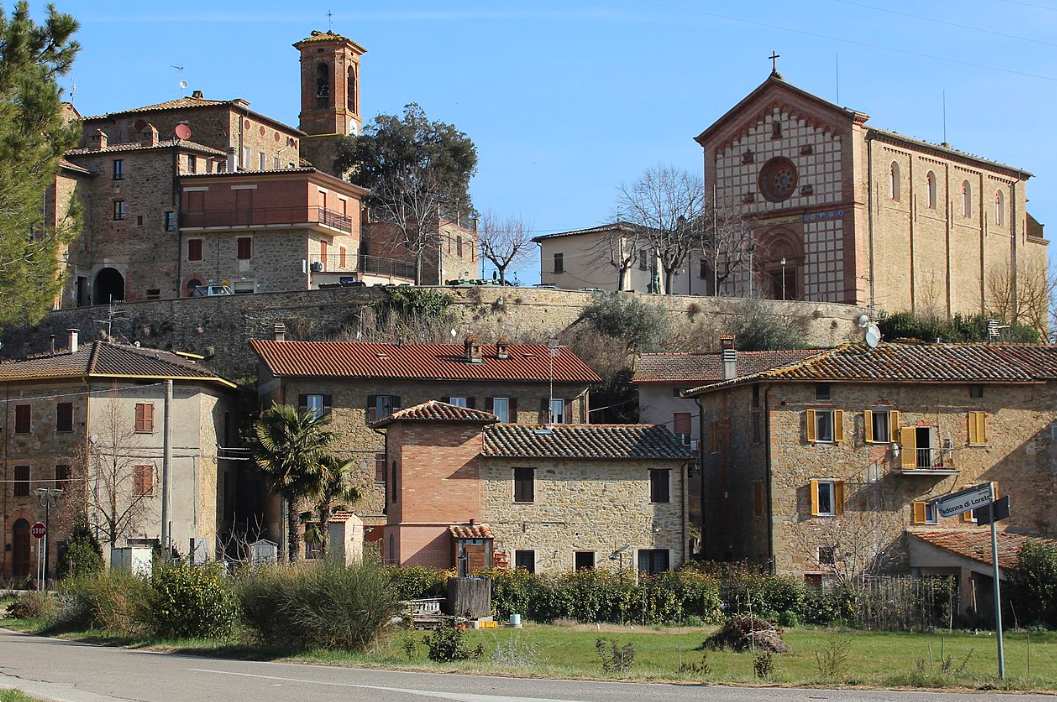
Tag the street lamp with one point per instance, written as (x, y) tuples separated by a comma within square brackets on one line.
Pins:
[(783, 278), (752, 251), (47, 497)]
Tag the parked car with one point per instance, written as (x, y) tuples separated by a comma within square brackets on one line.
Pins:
[(211, 291)]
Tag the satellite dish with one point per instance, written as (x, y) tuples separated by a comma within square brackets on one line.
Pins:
[(873, 336), (183, 84), (183, 132), (863, 320)]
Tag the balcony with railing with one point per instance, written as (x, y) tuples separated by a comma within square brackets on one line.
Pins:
[(266, 218), (361, 265), (924, 461)]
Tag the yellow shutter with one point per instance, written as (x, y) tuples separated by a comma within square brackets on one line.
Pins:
[(919, 513), (814, 497), (867, 425), (838, 426), (811, 426), (997, 493), (893, 425), (909, 456), (981, 427), (967, 516), (838, 497), (972, 429)]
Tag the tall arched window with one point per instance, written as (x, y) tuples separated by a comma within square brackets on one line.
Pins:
[(930, 191), (322, 85), (1000, 208), (351, 90), (893, 181), (967, 199)]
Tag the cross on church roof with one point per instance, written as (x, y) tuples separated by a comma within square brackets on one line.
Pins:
[(774, 62), (330, 20)]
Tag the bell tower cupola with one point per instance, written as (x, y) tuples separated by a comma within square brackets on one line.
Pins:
[(330, 84)]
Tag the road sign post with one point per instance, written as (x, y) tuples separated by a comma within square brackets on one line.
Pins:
[(38, 531), (998, 589)]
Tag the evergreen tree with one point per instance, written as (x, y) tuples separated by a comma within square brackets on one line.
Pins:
[(84, 555), (33, 136)]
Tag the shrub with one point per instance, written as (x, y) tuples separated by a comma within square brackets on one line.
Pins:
[(418, 582), (1033, 581), (192, 602), (615, 659), (33, 605), (764, 595), (962, 328), (114, 601), (788, 619), (325, 604), (639, 325), (447, 644), (83, 555)]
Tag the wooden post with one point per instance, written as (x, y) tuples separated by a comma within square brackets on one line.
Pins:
[(470, 597)]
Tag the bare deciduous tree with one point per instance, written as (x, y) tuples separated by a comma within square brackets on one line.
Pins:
[(667, 204), (505, 242), (411, 200), (618, 247), (1033, 291), (116, 504), (725, 237)]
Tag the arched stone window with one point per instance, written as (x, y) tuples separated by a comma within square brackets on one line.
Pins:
[(967, 199), (893, 181), (322, 85), (1000, 208), (351, 90), (930, 190)]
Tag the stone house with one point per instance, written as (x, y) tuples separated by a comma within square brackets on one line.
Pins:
[(90, 420), (356, 384), (449, 253), (829, 464), (466, 491), (661, 379), (846, 212)]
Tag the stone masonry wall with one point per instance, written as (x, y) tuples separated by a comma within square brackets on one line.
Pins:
[(570, 497), (220, 327)]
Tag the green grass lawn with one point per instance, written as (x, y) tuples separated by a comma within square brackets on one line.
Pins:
[(877, 659), (16, 696)]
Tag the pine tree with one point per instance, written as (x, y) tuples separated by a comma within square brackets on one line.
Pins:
[(34, 134)]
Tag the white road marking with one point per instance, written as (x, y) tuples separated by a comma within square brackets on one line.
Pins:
[(457, 696)]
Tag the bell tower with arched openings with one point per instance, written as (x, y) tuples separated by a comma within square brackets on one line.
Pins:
[(330, 93)]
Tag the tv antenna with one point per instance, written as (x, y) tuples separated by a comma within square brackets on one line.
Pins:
[(111, 315)]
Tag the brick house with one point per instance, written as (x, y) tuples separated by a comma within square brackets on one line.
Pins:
[(662, 377), (464, 490), (91, 417), (358, 383), (830, 462)]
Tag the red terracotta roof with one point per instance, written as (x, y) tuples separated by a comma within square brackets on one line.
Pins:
[(914, 362), (101, 359), (192, 103), (71, 166), (309, 170), (528, 363), (584, 441), (477, 531), (706, 367), (437, 411), (136, 146), (976, 543)]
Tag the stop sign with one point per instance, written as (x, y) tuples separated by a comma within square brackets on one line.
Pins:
[(38, 530)]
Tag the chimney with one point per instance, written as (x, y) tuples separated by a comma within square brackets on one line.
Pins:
[(51, 344), (472, 349), (280, 331), (502, 348), (149, 136), (729, 357), (100, 139), (233, 163), (197, 94), (73, 340)]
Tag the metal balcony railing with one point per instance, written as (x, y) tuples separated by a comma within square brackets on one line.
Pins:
[(265, 216), (934, 459), (335, 262)]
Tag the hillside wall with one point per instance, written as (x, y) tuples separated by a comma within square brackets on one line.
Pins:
[(220, 327)]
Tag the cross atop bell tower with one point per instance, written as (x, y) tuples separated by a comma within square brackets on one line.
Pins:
[(330, 84)]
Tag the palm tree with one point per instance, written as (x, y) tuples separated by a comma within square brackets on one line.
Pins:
[(332, 486), (290, 449)]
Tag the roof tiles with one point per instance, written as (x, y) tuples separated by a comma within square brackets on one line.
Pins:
[(976, 543), (337, 359), (583, 441), (474, 531), (136, 146), (706, 367), (436, 411)]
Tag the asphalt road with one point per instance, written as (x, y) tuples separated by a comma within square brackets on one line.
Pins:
[(72, 672)]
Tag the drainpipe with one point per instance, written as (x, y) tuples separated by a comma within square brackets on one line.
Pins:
[(870, 211), (768, 482), (701, 467), (175, 202), (1015, 307), (7, 439)]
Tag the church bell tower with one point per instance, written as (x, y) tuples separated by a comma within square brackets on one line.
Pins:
[(330, 84)]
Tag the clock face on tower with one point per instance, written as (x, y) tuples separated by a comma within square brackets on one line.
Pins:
[(778, 179)]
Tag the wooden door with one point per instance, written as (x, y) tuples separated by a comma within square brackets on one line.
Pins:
[(20, 557)]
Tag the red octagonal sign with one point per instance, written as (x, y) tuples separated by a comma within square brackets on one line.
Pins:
[(38, 530)]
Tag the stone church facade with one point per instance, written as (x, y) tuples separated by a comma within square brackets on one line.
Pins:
[(845, 212)]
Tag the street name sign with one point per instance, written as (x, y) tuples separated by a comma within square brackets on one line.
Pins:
[(1001, 507), (964, 500)]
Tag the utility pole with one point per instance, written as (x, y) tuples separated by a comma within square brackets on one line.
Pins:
[(166, 472)]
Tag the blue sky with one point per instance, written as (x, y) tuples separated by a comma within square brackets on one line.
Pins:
[(566, 100)]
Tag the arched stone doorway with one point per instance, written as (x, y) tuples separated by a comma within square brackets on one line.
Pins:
[(191, 285), (781, 259), (20, 552), (109, 286)]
